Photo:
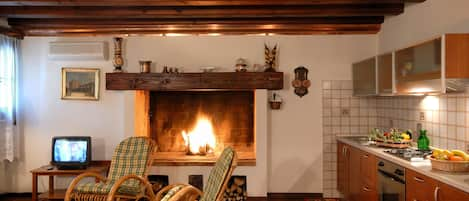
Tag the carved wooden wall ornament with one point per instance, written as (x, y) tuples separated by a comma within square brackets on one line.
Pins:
[(301, 82)]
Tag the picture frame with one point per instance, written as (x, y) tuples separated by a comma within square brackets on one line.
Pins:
[(80, 83)]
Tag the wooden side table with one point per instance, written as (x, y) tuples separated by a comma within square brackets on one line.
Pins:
[(54, 194)]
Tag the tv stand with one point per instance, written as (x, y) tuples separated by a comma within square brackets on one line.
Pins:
[(51, 171), (71, 167)]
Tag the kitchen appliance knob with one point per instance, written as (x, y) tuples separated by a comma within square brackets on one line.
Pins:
[(399, 172), (381, 163)]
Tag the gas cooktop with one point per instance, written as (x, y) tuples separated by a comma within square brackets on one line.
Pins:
[(409, 154)]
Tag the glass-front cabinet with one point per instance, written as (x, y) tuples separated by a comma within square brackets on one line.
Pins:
[(418, 68), (385, 74), (364, 77)]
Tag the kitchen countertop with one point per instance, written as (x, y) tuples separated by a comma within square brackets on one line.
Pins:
[(457, 180)]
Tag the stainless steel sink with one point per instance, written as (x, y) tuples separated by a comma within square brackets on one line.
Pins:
[(362, 140)]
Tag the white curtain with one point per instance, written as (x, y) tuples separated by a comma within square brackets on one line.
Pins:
[(9, 64)]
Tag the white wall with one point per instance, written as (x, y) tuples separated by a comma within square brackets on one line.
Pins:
[(424, 21), (294, 138)]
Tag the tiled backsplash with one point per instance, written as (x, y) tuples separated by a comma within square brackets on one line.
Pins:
[(445, 117), (343, 114)]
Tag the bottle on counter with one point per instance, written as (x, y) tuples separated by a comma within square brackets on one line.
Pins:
[(423, 142)]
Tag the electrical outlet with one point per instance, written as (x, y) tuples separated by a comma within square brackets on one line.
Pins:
[(345, 112), (422, 116)]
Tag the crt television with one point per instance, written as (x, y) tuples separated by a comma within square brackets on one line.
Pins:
[(71, 152)]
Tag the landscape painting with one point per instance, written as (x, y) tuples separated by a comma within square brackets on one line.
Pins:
[(80, 83)]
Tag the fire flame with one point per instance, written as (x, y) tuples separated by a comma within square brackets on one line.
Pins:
[(201, 140)]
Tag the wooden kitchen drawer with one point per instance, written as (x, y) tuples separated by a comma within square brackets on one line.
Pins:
[(419, 187)]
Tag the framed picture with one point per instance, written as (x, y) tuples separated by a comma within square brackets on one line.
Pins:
[(80, 83)]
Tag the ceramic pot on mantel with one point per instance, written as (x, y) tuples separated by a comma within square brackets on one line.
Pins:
[(145, 66)]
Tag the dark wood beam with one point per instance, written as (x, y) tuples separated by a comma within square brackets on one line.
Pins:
[(83, 23), (15, 33), (320, 25), (238, 30), (198, 12), (188, 2)]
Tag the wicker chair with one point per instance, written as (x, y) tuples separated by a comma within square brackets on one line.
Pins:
[(126, 178), (216, 184)]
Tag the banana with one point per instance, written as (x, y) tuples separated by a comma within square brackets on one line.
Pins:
[(436, 153), (461, 154), (445, 155)]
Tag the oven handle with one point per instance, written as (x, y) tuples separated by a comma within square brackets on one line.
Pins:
[(391, 176)]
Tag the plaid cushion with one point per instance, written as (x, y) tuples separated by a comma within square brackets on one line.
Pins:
[(171, 192), (218, 174), (130, 157), (104, 188)]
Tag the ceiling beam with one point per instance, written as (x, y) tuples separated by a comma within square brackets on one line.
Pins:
[(197, 12), (283, 29), (199, 21), (67, 27), (188, 2)]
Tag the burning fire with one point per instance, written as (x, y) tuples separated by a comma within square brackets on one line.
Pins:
[(201, 140)]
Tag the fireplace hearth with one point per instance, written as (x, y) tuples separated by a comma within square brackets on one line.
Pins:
[(193, 127)]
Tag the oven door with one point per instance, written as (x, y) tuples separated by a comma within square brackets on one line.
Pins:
[(390, 187)]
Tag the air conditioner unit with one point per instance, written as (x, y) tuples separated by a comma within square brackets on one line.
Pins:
[(78, 50)]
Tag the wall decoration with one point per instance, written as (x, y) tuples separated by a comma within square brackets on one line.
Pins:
[(275, 101), (118, 61), (80, 83), (301, 82), (270, 58)]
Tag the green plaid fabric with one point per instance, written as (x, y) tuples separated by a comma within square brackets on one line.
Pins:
[(130, 157), (171, 192), (218, 174)]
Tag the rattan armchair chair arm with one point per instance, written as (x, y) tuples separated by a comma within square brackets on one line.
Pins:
[(145, 182), (165, 190), (187, 193), (77, 179)]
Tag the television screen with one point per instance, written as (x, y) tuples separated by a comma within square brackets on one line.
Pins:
[(66, 150), (71, 151)]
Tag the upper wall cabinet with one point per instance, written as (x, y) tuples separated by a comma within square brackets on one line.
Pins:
[(385, 74), (364, 77), (437, 66)]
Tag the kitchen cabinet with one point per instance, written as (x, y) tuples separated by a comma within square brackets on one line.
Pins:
[(385, 74), (356, 177), (368, 183), (448, 193), (423, 67), (419, 187), (364, 77), (343, 168)]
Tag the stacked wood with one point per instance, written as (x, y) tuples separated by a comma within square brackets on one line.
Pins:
[(236, 189)]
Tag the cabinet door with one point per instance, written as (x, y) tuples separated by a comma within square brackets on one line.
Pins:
[(385, 79), (364, 77), (418, 68), (449, 193), (368, 173), (343, 167), (355, 181), (419, 187)]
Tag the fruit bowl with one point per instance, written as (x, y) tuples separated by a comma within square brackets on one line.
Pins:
[(449, 166)]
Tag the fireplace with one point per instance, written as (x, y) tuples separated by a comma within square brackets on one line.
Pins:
[(180, 121)]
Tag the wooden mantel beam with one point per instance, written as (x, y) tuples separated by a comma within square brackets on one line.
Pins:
[(189, 2), (199, 12)]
